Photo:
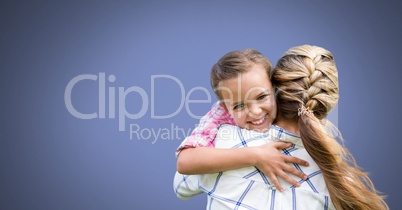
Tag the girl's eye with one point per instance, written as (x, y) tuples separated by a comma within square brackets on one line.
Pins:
[(262, 96), (238, 106)]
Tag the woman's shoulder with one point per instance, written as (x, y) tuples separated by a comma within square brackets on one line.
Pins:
[(237, 135), (230, 136)]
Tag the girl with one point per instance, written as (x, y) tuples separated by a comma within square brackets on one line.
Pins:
[(241, 81)]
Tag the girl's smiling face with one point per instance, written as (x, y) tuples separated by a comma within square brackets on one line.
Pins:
[(249, 98)]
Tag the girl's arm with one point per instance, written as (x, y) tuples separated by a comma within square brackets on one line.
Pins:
[(266, 158), (197, 155)]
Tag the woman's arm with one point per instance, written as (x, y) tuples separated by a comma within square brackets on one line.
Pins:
[(186, 186)]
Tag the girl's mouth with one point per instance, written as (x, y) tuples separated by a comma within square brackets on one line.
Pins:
[(259, 122)]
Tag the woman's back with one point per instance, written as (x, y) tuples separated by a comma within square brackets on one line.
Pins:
[(248, 188)]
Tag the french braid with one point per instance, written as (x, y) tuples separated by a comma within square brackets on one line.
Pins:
[(306, 77)]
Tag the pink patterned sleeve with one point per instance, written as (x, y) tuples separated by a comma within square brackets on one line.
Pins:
[(204, 134)]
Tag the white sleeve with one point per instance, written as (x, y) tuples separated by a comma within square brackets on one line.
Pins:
[(186, 186)]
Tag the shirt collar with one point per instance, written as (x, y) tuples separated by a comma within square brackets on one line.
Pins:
[(278, 133)]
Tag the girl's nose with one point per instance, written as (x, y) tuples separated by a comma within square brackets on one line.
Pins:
[(254, 110)]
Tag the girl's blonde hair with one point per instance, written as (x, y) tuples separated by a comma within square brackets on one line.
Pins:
[(234, 63), (306, 82)]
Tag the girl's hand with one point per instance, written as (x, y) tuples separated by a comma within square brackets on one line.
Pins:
[(273, 163)]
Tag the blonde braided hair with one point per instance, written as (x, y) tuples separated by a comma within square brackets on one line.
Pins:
[(306, 80)]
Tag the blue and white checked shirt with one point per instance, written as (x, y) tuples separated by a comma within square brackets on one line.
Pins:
[(248, 188)]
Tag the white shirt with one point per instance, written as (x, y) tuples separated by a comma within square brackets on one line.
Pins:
[(248, 188)]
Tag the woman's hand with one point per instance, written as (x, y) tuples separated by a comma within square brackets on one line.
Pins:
[(273, 163)]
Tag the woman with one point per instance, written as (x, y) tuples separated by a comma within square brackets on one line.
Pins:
[(307, 89)]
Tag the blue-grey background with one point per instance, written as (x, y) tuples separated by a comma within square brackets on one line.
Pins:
[(50, 159)]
